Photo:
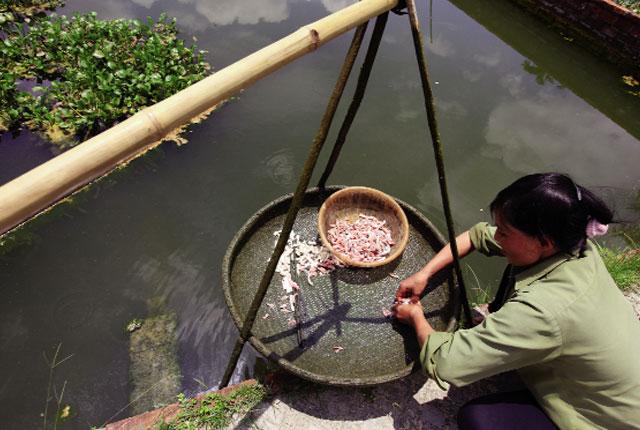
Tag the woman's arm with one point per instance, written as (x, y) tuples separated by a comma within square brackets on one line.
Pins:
[(520, 334), (414, 285), (412, 314)]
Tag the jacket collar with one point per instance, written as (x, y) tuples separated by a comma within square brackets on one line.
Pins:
[(539, 270)]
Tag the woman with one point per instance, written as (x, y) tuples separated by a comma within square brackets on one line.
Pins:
[(558, 317)]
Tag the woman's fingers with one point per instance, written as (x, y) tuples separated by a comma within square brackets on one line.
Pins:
[(404, 311)]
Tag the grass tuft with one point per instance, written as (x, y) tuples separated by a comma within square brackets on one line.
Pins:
[(623, 265), (479, 295), (214, 411)]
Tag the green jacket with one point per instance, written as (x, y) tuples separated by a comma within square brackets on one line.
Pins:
[(567, 329)]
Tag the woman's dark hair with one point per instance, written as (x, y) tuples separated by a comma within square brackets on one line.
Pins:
[(551, 205)]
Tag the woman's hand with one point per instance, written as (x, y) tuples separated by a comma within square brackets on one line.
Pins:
[(408, 313), (412, 287), (411, 313)]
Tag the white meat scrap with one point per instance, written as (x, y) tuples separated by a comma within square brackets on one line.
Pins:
[(310, 258), (367, 239), (289, 285), (314, 259)]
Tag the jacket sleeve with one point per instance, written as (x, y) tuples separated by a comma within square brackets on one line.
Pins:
[(482, 238), (518, 335)]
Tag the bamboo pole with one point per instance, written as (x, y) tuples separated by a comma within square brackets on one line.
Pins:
[(432, 122), (44, 185)]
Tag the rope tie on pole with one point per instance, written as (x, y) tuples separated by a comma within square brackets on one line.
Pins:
[(314, 36), (437, 148), (157, 127), (296, 202)]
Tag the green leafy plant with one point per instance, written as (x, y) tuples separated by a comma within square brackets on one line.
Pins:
[(214, 411), (95, 73), (9, 112), (133, 325)]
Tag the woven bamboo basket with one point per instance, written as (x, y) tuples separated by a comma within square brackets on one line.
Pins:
[(349, 203)]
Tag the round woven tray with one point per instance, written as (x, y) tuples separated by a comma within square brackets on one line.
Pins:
[(341, 309)]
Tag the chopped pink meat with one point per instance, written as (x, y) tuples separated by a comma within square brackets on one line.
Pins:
[(366, 240)]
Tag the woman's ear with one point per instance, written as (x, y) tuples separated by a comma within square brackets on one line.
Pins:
[(548, 246)]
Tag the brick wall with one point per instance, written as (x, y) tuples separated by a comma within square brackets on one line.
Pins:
[(600, 25)]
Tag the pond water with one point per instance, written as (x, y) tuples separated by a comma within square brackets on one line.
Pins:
[(513, 97)]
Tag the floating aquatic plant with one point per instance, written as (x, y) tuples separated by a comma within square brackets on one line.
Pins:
[(18, 11), (99, 73)]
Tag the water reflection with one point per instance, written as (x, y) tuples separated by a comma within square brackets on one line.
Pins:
[(144, 3), (560, 133), (336, 5), (224, 12), (553, 59), (472, 75), (512, 83), (490, 59), (452, 108), (202, 321), (542, 75), (21, 153), (106, 9), (441, 46)]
